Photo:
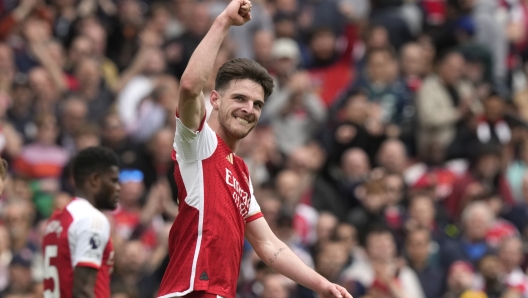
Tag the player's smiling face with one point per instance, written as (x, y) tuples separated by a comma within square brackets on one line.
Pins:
[(239, 107)]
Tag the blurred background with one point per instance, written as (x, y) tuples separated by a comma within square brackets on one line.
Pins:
[(391, 157)]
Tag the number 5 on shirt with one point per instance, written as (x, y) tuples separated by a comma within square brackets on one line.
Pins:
[(51, 271)]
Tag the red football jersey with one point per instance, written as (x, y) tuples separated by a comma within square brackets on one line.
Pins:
[(216, 201), (78, 235)]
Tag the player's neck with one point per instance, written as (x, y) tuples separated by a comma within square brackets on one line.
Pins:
[(82, 194), (219, 130)]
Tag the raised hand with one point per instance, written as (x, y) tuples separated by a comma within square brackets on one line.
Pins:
[(238, 12)]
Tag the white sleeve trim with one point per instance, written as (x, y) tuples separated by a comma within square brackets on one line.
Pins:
[(254, 207), (193, 146)]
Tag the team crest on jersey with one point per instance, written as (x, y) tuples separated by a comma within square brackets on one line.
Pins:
[(95, 241)]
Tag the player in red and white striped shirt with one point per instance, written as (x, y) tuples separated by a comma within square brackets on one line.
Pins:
[(217, 206)]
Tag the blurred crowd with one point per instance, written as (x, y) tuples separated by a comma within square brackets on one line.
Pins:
[(392, 156)]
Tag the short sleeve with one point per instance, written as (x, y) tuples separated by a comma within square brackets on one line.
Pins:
[(193, 146), (254, 208), (88, 239)]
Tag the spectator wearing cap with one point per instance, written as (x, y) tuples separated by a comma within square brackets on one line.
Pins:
[(294, 107)]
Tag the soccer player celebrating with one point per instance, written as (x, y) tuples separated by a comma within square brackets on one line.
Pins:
[(78, 251), (217, 206)]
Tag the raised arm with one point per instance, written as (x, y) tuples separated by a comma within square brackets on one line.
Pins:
[(279, 256), (191, 105)]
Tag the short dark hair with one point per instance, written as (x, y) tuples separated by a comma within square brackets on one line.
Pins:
[(241, 68), (92, 160)]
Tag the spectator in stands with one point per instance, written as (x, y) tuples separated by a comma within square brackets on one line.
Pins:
[(21, 281), (461, 280), (489, 268), (511, 256), (413, 65), (296, 112), (331, 260), (419, 249), (477, 219), (384, 270), (93, 89), (483, 176), (10, 140), (392, 156), (442, 101), (374, 119), (373, 200), (274, 287), (114, 136), (326, 224), (357, 125), (74, 114), (22, 112)]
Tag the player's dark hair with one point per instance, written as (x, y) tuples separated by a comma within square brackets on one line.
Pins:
[(92, 160), (241, 68)]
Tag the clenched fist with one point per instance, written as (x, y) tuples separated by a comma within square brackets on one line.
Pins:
[(238, 12)]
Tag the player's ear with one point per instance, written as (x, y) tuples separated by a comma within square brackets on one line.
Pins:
[(94, 180), (215, 99)]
